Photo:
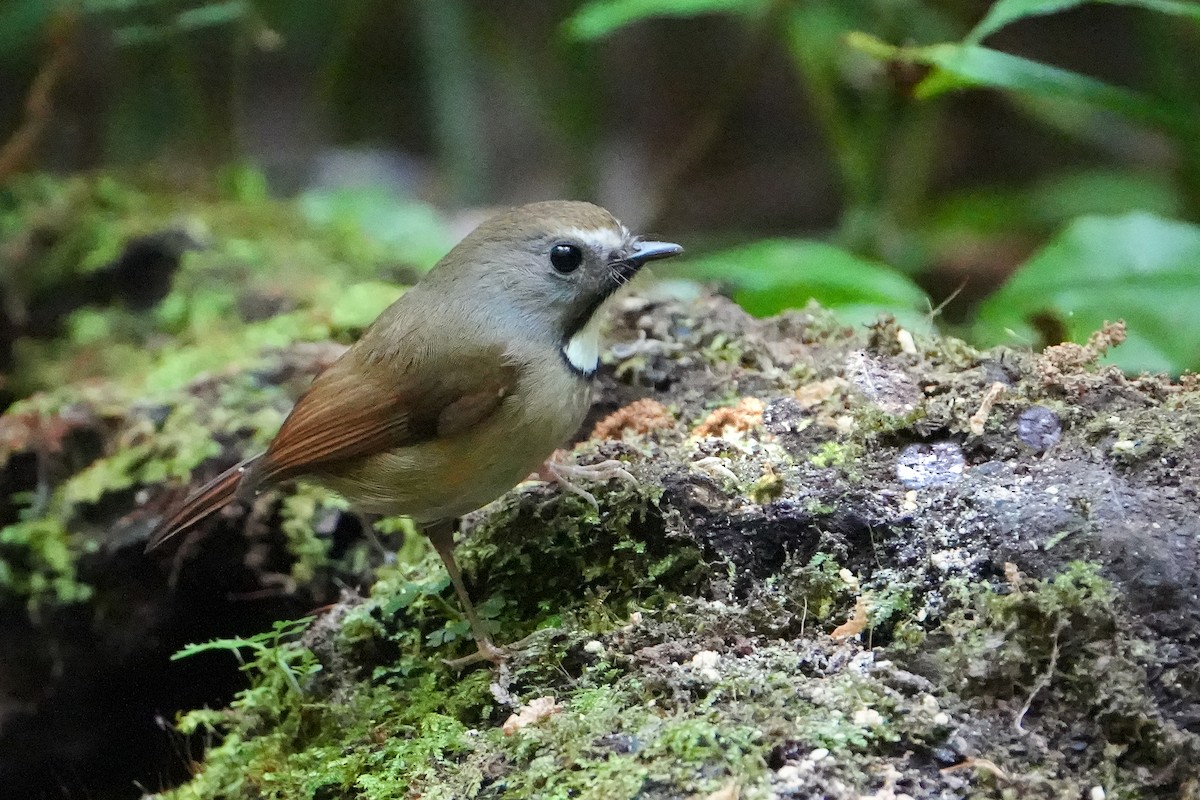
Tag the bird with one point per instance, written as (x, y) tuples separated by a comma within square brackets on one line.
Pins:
[(462, 387)]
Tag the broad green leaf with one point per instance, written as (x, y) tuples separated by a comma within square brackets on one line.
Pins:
[(969, 65), (599, 18), (1005, 12), (1137, 267), (772, 275)]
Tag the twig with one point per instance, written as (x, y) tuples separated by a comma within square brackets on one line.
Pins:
[(39, 106), (981, 764), (979, 418), (1042, 683), (936, 311)]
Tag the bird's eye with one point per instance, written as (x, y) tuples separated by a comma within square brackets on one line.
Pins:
[(566, 257)]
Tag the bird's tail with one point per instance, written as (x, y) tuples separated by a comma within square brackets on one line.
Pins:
[(202, 504)]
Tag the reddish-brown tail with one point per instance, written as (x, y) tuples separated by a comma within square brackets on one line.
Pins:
[(201, 505)]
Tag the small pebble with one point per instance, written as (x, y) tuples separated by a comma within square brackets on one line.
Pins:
[(595, 647), (788, 773), (706, 659), (1039, 428), (868, 718)]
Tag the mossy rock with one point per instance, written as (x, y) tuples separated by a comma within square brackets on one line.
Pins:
[(855, 564)]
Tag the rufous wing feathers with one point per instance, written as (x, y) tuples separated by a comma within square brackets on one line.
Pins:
[(201, 505), (346, 415)]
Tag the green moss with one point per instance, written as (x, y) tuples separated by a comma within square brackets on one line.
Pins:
[(722, 351), (1054, 642), (618, 733), (873, 422), (768, 487), (835, 454), (37, 565), (149, 455), (288, 259), (537, 555), (298, 513)]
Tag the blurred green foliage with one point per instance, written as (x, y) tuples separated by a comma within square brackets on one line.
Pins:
[(1147, 266), (268, 275), (775, 274), (1140, 267), (878, 77)]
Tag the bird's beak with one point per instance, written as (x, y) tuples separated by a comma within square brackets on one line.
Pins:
[(652, 251)]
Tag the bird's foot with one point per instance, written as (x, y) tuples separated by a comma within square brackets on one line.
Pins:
[(489, 652), (486, 652), (565, 476)]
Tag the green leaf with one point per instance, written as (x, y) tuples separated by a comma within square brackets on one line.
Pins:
[(1180, 8), (599, 18), (206, 16), (1005, 12), (1064, 197), (1008, 11), (1137, 267), (961, 66), (775, 274)]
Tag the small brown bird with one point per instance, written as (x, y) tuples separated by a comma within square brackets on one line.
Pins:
[(462, 387)]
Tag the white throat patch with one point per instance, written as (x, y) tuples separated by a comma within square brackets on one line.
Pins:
[(583, 350)]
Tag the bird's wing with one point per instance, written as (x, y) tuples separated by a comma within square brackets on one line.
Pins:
[(345, 414)]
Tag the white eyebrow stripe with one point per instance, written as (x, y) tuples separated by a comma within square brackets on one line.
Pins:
[(603, 239)]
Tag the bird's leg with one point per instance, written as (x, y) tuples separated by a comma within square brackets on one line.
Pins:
[(441, 535), (565, 475)]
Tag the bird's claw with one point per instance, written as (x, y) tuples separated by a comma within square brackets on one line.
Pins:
[(490, 652), (565, 476), (486, 652)]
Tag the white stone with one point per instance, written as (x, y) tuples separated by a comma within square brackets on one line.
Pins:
[(868, 718)]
